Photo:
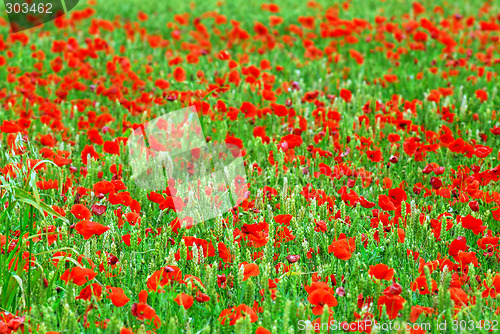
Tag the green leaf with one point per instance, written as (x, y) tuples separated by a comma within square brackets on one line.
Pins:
[(25, 197)]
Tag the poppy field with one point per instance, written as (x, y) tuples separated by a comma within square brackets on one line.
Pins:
[(370, 137)]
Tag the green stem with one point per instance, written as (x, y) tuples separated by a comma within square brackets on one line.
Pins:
[(29, 258)]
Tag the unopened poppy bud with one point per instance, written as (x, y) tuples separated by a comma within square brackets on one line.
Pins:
[(474, 205), (99, 210), (133, 310), (201, 298), (428, 169), (436, 182), (396, 289), (112, 260), (351, 183), (475, 168)]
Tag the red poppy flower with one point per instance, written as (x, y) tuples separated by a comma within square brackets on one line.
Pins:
[(473, 224), (481, 95), (162, 84), (365, 203), (493, 290), (117, 296), (381, 271), (486, 242), (375, 156), (279, 109), (250, 269), (237, 312), (420, 284), (93, 289), (80, 212), (103, 187), (342, 248), (393, 304), (174, 203), (78, 275), (397, 195), (9, 127), (164, 276), (417, 310), (292, 140), (88, 228), (320, 298), (320, 226), (184, 300), (283, 219), (459, 296), (142, 311), (262, 330), (346, 95), (179, 74), (224, 252), (111, 147), (481, 151), (385, 203), (458, 245)]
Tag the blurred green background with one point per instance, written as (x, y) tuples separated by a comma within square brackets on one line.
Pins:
[(248, 11)]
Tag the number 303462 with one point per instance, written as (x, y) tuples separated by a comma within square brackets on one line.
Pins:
[(471, 325), (26, 8)]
